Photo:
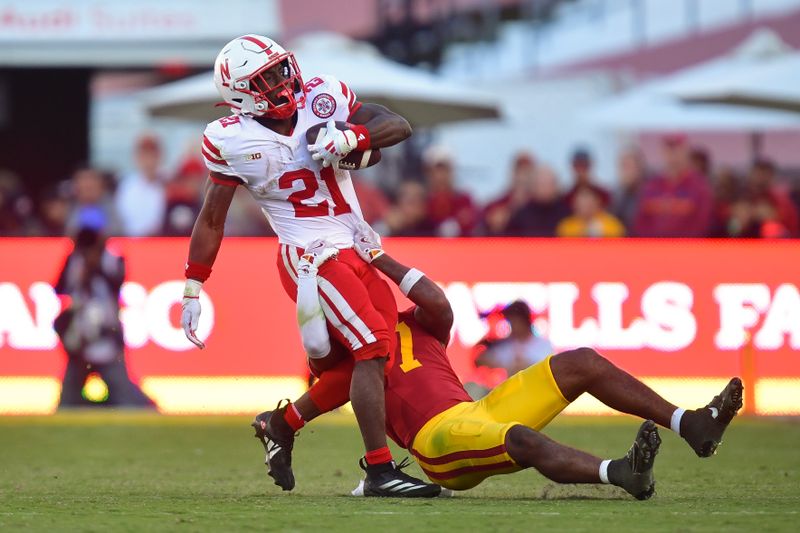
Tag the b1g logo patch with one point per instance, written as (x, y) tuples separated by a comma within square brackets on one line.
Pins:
[(323, 105)]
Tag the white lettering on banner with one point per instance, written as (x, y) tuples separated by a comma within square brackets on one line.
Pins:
[(740, 308), (17, 326), (667, 309), (612, 334), (146, 316), (782, 318), (667, 322), (132, 314), (488, 295), (563, 333)]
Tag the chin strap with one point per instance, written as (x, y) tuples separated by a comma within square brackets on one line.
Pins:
[(226, 104)]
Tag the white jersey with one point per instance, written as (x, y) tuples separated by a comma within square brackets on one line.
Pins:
[(302, 200)]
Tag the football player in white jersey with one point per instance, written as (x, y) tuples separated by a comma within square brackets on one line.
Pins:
[(305, 196)]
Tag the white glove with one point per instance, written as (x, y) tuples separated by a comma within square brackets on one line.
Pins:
[(333, 145), (314, 255), (367, 242), (190, 314)]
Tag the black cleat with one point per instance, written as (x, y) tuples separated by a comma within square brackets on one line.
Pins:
[(634, 472), (389, 481), (278, 443), (703, 428)]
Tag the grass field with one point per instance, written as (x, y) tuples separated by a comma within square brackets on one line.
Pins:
[(141, 472)]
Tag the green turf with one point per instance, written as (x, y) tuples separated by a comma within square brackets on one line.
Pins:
[(133, 472)]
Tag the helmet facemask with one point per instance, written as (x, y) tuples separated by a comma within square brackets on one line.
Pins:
[(277, 99)]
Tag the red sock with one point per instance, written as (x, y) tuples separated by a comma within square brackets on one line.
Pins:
[(379, 456), (293, 418)]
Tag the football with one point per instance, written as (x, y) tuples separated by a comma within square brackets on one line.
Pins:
[(355, 160)]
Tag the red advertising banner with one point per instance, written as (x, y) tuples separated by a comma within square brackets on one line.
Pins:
[(664, 310)]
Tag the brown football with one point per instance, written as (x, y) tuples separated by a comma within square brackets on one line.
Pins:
[(355, 160)]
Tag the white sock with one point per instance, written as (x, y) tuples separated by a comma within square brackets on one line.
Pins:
[(675, 421), (604, 471)]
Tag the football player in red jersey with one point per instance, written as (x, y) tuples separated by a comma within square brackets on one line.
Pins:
[(459, 442)]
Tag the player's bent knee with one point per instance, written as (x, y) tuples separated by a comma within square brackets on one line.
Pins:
[(337, 354), (580, 361), (317, 349), (524, 445)]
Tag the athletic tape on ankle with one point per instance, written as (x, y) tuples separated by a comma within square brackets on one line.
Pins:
[(604, 471), (675, 421), (409, 280)]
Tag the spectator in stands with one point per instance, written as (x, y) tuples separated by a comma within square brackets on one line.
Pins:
[(589, 218), (245, 218), (90, 329), (89, 189), (582, 176), (15, 205), (409, 216), (631, 170), (451, 212), (374, 204), (678, 202), (755, 218), (498, 213), (763, 191), (727, 193), (141, 200), (540, 216), (701, 161), (522, 348), (184, 196), (54, 211)]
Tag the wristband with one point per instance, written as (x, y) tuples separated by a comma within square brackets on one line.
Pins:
[(192, 288), (362, 136), (197, 271), (409, 280)]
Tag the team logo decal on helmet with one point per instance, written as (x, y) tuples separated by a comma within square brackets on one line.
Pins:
[(323, 105)]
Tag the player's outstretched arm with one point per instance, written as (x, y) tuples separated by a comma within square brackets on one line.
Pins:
[(385, 127), (433, 310), (203, 247)]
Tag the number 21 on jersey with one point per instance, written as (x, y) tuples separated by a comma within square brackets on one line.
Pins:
[(299, 199), (407, 362)]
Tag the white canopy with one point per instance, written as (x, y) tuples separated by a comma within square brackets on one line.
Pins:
[(422, 98), (656, 106), (772, 84)]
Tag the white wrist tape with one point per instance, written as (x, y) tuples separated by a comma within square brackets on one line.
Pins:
[(192, 288), (409, 280)]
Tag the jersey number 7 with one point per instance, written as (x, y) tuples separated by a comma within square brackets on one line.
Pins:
[(309, 190)]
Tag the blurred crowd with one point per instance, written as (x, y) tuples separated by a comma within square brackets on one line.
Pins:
[(683, 194), (145, 202)]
